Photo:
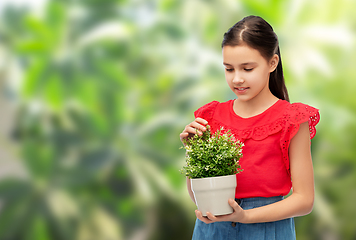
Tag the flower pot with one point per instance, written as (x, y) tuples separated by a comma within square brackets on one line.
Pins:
[(212, 194)]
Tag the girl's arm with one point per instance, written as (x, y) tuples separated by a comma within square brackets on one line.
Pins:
[(299, 203)]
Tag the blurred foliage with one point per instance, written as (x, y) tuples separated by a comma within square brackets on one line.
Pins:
[(103, 89)]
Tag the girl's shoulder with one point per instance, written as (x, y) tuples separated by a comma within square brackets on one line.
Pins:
[(298, 113), (207, 111)]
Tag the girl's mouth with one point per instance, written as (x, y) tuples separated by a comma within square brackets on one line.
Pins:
[(241, 89)]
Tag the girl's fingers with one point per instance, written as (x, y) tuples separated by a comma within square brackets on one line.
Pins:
[(201, 120), (201, 218), (183, 135), (237, 208), (195, 127), (239, 213), (211, 217), (234, 204), (187, 133)]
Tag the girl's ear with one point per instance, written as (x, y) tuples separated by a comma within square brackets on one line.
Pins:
[(273, 62)]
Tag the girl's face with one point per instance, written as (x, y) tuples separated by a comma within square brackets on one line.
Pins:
[(247, 72)]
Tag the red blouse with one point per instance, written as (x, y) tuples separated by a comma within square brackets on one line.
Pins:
[(266, 136)]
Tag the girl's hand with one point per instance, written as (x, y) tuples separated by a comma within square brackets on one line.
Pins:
[(237, 216), (197, 126)]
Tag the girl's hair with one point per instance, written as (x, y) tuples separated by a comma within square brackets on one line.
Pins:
[(256, 33)]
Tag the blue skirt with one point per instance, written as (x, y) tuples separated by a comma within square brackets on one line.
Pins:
[(279, 230)]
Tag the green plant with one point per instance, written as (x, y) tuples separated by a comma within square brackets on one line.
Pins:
[(212, 155)]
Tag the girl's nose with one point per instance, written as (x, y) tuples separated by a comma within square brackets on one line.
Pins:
[(238, 79)]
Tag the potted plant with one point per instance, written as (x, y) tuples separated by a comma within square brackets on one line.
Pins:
[(212, 162)]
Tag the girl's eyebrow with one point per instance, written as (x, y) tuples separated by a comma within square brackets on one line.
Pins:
[(226, 64), (242, 64)]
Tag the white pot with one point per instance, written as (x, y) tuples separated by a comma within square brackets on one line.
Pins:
[(212, 194)]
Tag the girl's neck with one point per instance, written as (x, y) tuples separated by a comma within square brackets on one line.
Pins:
[(255, 106)]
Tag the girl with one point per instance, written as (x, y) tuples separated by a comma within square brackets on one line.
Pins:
[(276, 135)]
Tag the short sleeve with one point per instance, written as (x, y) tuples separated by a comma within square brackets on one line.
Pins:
[(207, 111), (299, 113), (296, 114)]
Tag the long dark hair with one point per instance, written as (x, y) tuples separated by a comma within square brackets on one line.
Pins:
[(256, 33)]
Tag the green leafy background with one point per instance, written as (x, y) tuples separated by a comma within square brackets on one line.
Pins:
[(95, 93)]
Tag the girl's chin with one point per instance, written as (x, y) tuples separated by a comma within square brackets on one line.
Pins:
[(243, 98)]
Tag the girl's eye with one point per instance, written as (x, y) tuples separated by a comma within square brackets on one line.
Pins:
[(229, 69), (248, 69)]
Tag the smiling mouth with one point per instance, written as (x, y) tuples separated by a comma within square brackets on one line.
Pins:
[(242, 88)]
